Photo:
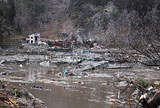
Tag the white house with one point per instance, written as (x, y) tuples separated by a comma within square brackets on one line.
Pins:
[(33, 38)]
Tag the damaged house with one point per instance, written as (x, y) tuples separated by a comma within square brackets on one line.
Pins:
[(33, 38)]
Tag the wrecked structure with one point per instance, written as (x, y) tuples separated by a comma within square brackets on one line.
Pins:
[(33, 38)]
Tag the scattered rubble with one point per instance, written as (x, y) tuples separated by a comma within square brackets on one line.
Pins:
[(35, 50), (57, 49), (77, 68), (13, 97), (22, 61), (69, 60), (45, 63)]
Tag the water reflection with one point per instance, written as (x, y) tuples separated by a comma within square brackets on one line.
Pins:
[(36, 72)]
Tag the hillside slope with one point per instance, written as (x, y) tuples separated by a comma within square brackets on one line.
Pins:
[(109, 22)]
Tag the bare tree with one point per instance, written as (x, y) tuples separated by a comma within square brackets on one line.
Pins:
[(145, 39)]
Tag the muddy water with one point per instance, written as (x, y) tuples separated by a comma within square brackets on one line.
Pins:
[(93, 91)]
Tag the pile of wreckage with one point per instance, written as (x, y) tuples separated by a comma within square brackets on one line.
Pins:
[(147, 97), (135, 94), (13, 97)]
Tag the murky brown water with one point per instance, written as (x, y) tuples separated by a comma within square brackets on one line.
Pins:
[(93, 91)]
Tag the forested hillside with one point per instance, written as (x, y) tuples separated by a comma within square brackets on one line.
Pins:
[(109, 22), (113, 21)]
